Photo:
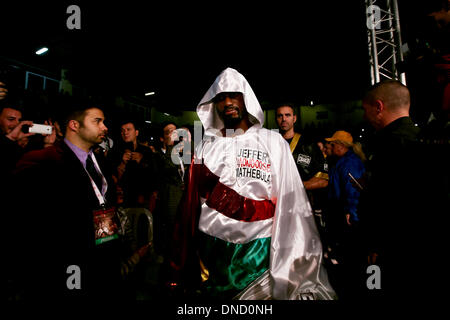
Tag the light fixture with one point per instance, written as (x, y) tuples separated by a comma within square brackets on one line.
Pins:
[(148, 121), (42, 51), (166, 114), (150, 93), (311, 103)]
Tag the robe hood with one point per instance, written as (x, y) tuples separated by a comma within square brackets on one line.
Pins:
[(229, 80)]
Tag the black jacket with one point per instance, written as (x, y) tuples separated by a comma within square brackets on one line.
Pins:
[(53, 228), (400, 209)]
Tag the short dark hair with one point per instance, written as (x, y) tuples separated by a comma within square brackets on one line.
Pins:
[(132, 121), (394, 93), (9, 103), (76, 110), (163, 125), (287, 104)]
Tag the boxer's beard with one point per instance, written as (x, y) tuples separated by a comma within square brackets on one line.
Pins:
[(231, 120)]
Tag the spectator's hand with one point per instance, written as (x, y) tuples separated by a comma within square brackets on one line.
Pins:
[(348, 218), (137, 156), (17, 134), (126, 156), (3, 91), (49, 139)]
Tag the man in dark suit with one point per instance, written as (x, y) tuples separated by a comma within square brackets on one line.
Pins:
[(67, 241)]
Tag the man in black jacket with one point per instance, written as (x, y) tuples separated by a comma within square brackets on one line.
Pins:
[(66, 236), (135, 169), (401, 196)]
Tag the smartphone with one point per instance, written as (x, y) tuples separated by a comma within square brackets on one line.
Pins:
[(38, 128), (355, 181)]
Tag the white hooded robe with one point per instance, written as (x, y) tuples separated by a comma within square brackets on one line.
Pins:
[(276, 254)]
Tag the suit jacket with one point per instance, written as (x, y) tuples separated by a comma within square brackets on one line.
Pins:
[(171, 185), (53, 228)]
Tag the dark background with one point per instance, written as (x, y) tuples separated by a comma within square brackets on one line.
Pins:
[(294, 51), (297, 51)]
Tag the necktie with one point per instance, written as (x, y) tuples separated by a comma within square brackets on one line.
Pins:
[(93, 173)]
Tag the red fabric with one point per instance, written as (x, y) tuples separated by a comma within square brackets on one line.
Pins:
[(185, 228), (202, 182), (229, 203), (31, 158)]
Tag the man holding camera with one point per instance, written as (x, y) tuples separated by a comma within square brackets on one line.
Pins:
[(134, 167), (11, 128)]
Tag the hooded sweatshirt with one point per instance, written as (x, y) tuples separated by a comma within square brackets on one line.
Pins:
[(247, 208)]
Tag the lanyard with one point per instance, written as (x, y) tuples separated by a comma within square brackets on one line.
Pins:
[(294, 142), (181, 169), (98, 194)]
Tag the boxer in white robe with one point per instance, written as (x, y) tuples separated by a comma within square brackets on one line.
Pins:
[(246, 207)]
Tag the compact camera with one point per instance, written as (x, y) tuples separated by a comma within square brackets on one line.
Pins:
[(38, 128)]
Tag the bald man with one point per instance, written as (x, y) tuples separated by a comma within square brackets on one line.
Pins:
[(387, 102), (397, 201)]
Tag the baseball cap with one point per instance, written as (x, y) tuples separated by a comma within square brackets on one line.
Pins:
[(341, 136)]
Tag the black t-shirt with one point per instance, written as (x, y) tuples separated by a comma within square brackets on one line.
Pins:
[(308, 158)]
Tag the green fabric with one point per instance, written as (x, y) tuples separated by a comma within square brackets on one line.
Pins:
[(232, 267), (106, 239)]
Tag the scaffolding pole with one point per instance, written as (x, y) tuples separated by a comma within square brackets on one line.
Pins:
[(384, 40)]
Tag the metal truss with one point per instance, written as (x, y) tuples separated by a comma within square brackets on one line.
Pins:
[(384, 40)]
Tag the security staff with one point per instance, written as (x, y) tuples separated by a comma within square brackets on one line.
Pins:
[(307, 155)]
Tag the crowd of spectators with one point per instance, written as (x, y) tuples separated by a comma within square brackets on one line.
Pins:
[(361, 195)]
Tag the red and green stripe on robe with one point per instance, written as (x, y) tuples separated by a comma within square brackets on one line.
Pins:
[(231, 234)]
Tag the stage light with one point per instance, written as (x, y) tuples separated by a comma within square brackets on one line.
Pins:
[(150, 93), (42, 51)]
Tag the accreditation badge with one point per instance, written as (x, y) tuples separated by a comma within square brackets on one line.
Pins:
[(106, 226), (303, 159)]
